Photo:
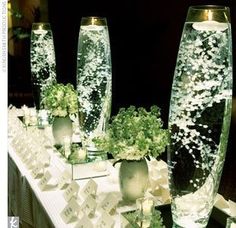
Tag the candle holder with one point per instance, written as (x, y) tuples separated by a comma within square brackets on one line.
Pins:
[(42, 60), (200, 114), (94, 81), (145, 210)]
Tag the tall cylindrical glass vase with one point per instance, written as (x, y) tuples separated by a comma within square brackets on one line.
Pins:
[(42, 59), (200, 114), (94, 81)]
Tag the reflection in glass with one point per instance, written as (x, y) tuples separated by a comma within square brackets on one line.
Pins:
[(94, 78), (42, 59)]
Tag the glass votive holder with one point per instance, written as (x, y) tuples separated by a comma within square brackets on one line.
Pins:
[(43, 118), (231, 222), (145, 207)]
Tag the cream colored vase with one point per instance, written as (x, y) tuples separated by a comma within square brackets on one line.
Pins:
[(133, 179)]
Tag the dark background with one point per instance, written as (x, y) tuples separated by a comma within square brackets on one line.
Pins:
[(144, 38)]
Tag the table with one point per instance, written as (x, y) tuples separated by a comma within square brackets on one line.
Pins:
[(42, 208)]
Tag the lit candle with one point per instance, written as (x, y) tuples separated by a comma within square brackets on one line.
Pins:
[(67, 146), (147, 206), (210, 26), (82, 154)]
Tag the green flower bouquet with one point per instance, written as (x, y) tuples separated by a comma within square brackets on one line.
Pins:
[(60, 100), (135, 133)]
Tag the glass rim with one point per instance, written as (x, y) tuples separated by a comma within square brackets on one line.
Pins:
[(198, 13), (212, 7), (94, 20), (41, 26)]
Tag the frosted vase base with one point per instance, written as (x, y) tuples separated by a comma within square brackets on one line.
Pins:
[(62, 130)]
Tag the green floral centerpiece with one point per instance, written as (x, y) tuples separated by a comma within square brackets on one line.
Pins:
[(135, 133), (60, 99), (132, 135)]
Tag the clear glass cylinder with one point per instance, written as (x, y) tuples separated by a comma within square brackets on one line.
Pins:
[(94, 80), (42, 60), (200, 114)]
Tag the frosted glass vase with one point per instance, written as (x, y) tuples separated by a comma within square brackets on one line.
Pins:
[(200, 113), (94, 81), (42, 60), (133, 179)]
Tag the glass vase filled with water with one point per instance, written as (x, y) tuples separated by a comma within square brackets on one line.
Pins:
[(42, 60), (94, 82), (200, 114)]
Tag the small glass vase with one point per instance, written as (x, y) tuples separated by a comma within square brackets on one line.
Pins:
[(94, 81), (42, 60), (200, 113), (133, 178)]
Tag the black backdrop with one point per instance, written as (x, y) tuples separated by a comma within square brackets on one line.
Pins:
[(144, 37)]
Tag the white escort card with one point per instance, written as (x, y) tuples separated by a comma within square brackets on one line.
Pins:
[(16, 141), (105, 221), (39, 169), (71, 211), (44, 157), (64, 179), (44, 180), (31, 162), (109, 203), (26, 155), (88, 206), (89, 189), (21, 150), (71, 191), (84, 222)]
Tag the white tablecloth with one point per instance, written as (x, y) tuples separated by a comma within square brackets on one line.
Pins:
[(41, 209)]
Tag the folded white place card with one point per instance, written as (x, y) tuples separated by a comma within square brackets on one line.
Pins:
[(16, 141), (110, 202), (89, 189), (64, 179), (31, 162), (44, 157), (105, 221), (44, 180), (84, 222), (71, 191), (27, 156), (21, 151), (71, 211), (88, 206), (39, 169)]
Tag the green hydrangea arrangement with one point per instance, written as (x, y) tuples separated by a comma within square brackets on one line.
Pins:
[(135, 133), (60, 99)]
